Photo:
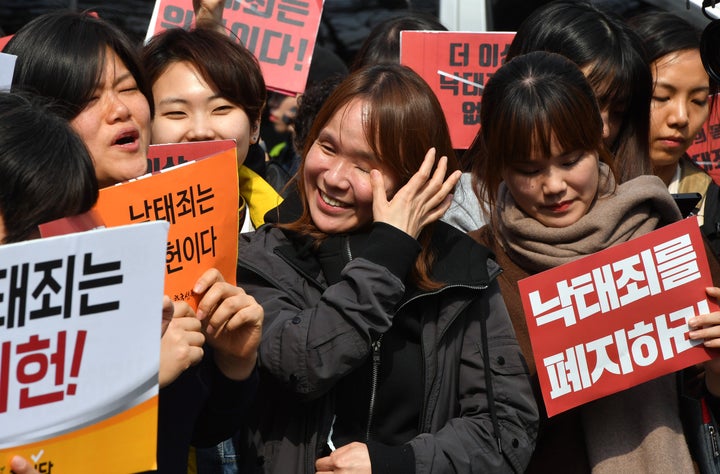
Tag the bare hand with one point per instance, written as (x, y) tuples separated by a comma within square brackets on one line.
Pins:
[(352, 458), (20, 465), (423, 200), (707, 328), (232, 321), (181, 345), (167, 313)]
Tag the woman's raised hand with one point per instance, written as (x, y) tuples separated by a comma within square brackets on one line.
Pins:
[(423, 199)]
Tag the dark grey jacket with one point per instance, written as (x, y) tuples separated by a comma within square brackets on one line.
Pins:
[(316, 334)]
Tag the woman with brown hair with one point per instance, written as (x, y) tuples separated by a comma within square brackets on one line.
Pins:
[(387, 347)]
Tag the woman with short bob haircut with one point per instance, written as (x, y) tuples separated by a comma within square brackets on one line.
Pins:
[(45, 168), (237, 77), (90, 67), (206, 86)]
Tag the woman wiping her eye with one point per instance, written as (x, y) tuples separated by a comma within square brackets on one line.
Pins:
[(387, 347)]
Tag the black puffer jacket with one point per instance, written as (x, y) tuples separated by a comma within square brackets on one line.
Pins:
[(315, 334)]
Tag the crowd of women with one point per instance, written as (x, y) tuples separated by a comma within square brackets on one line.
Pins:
[(377, 325)]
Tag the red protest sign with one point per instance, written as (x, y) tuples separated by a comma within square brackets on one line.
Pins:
[(705, 150), (617, 318), (280, 33), (456, 65), (166, 155)]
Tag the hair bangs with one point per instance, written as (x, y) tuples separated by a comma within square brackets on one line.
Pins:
[(609, 83)]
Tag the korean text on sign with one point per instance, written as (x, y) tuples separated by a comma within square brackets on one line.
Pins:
[(280, 33), (456, 65), (617, 318)]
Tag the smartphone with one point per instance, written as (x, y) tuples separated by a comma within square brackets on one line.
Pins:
[(687, 203)]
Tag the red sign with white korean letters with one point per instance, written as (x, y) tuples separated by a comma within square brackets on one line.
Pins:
[(617, 318), (456, 65), (280, 33)]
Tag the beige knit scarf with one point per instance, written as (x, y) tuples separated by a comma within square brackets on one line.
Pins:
[(618, 214), (637, 430)]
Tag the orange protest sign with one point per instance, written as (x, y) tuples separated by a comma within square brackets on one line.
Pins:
[(456, 65), (166, 155), (280, 33), (200, 200), (705, 150), (617, 318)]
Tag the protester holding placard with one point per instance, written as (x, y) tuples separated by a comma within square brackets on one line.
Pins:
[(680, 106), (610, 55), (549, 178), (106, 99), (47, 174), (199, 97), (387, 346)]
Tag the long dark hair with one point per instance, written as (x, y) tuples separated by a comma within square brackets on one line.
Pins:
[(616, 69)]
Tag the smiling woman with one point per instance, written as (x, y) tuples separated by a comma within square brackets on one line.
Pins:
[(208, 87), (103, 93), (357, 290)]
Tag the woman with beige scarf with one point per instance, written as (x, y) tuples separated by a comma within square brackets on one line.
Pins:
[(548, 178)]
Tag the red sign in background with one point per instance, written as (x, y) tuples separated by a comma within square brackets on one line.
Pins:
[(705, 150), (280, 33), (456, 65)]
